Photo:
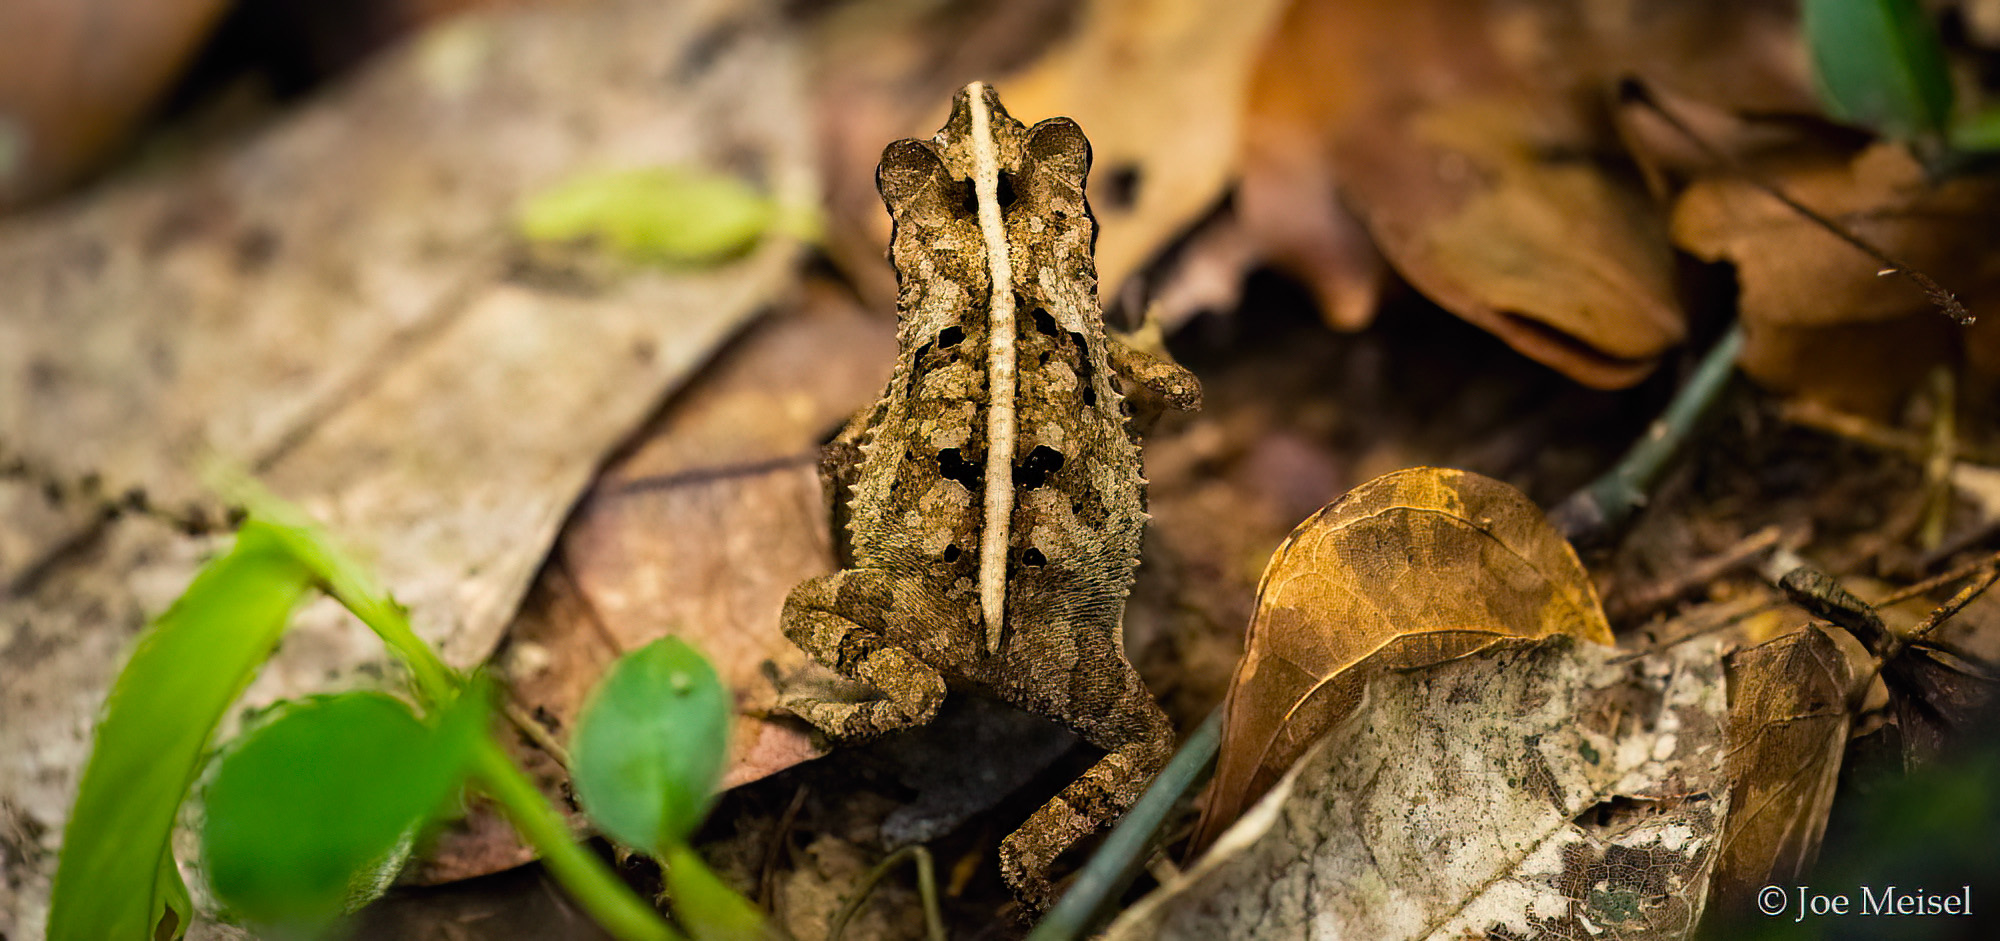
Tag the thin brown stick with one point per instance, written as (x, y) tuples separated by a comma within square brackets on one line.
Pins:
[(926, 892), (1945, 302), (1938, 615), (1941, 456), (1937, 581), (767, 874), (1945, 611), (1659, 594), (536, 732)]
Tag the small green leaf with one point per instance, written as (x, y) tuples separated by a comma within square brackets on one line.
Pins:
[(1880, 64), (188, 666), (342, 577), (310, 814), (670, 214), (704, 904), (1979, 132), (649, 745)]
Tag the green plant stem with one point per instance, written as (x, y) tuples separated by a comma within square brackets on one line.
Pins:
[(603, 896), (1117, 862), (348, 582), (1599, 510), (926, 890)]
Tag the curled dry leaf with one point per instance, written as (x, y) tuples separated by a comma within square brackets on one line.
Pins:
[(1412, 568), (1939, 693), (1530, 789), (75, 77), (1788, 724), (1818, 319), (1470, 148)]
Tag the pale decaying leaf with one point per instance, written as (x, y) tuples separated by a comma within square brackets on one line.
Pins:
[(333, 304), (1531, 789), (1788, 724), (1411, 568)]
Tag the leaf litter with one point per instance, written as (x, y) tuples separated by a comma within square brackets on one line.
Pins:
[(1296, 418)]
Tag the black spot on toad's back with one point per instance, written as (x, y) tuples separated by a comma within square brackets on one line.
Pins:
[(954, 466), (1036, 468), (1045, 323)]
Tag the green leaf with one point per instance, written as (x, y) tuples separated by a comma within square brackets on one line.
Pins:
[(704, 904), (670, 214), (343, 578), (188, 666), (176, 907), (1978, 132), (310, 814), (1879, 64), (649, 745)]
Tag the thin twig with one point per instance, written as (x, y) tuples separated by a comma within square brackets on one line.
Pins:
[(1938, 459), (1945, 302), (536, 732), (1601, 508), (926, 890), (1945, 611), (765, 875), (1936, 581), (1659, 594), (1938, 616), (1732, 620), (1818, 416)]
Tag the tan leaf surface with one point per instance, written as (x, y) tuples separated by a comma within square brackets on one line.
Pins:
[(1414, 567), (334, 304), (1788, 724), (1527, 789)]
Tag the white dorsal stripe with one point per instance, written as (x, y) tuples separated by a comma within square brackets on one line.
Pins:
[(999, 479)]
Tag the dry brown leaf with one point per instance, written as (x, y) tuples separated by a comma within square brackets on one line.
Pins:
[(74, 77), (1818, 319), (1528, 789), (1788, 725), (1939, 693), (699, 533), (1469, 146), (1159, 85), (1414, 567)]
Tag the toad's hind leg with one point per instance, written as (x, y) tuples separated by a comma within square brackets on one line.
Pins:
[(1122, 718), (817, 618)]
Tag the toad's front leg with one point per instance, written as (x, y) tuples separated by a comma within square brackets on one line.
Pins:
[(828, 618)]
